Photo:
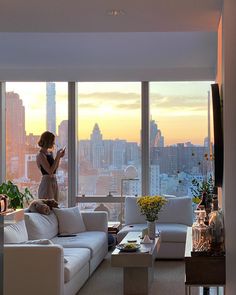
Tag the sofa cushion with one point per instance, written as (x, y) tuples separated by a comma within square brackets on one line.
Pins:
[(93, 240), (172, 232), (132, 211), (76, 260), (41, 226), (15, 233), (70, 220), (177, 210)]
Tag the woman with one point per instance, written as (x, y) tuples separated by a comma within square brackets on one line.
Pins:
[(48, 188)]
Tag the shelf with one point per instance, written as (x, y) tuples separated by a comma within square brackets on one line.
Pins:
[(12, 216)]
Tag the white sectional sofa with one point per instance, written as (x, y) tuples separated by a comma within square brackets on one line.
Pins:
[(172, 224), (53, 265)]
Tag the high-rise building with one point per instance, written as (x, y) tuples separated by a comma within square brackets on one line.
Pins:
[(63, 133), (15, 135), (97, 149), (156, 139), (51, 106)]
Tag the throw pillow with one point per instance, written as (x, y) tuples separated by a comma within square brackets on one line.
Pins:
[(70, 220), (15, 233)]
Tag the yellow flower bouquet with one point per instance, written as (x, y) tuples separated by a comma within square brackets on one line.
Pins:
[(150, 206)]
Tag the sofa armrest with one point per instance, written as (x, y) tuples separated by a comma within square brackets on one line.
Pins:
[(25, 265), (95, 221)]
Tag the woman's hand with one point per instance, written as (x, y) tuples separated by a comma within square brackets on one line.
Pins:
[(61, 153)]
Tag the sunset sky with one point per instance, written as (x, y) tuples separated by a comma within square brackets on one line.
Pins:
[(179, 108)]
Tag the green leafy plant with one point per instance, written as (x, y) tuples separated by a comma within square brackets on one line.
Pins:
[(16, 198), (200, 187)]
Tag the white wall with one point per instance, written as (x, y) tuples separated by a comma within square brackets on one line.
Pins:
[(229, 96)]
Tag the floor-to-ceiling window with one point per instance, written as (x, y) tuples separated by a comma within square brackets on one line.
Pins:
[(31, 109), (180, 140), (109, 134), (109, 123)]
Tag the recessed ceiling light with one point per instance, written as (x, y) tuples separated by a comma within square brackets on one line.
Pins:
[(115, 12)]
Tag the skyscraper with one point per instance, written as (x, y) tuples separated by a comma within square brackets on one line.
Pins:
[(63, 133), (51, 107), (97, 149), (15, 135), (156, 139)]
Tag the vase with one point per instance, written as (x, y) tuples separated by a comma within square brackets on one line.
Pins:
[(151, 225)]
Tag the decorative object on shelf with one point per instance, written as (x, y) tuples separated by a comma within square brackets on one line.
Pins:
[(150, 206), (146, 240), (200, 235), (203, 193), (216, 225), (3, 203), (16, 199)]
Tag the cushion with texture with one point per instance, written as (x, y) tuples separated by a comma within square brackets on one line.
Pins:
[(15, 233), (40, 226), (70, 220), (177, 210)]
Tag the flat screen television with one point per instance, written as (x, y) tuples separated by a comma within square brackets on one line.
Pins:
[(218, 135)]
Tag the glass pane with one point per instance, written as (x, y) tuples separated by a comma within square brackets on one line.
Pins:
[(179, 136), (31, 109), (109, 119)]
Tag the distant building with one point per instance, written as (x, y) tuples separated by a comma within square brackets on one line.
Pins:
[(97, 149), (51, 107), (156, 139), (15, 135), (31, 170), (63, 133)]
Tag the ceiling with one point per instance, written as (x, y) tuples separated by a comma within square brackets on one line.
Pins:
[(79, 40)]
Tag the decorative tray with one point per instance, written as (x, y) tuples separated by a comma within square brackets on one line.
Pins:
[(128, 247)]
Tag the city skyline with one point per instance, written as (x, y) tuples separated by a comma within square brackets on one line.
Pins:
[(181, 114)]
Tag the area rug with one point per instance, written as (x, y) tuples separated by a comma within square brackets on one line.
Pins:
[(107, 280)]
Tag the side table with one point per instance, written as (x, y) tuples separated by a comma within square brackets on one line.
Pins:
[(113, 229), (205, 271)]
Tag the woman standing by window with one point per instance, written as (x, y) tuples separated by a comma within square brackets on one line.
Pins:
[(48, 188)]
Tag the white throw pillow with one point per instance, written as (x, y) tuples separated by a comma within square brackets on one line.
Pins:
[(15, 233), (70, 220), (40, 226)]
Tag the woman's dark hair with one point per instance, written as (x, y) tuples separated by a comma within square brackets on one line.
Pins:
[(47, 139)]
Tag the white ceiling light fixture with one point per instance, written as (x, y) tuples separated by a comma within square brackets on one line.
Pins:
[(116, 12)]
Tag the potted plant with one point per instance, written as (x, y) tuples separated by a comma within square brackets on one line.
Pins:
[(16, 199), (202, 188)]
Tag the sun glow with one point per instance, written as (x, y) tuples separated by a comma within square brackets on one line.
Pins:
[(179, 108)]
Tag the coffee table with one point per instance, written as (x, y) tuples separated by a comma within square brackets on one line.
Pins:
[(137, 266)]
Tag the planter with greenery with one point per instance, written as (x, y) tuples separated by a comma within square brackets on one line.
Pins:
[(16, 199), (202, 187)]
